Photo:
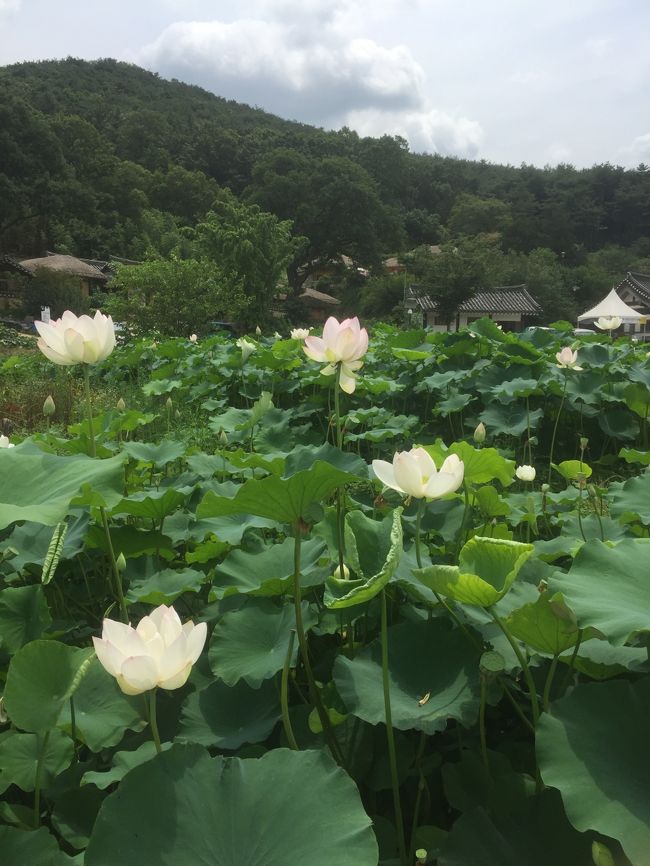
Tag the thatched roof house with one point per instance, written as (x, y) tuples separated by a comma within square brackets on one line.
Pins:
[(66, 265)]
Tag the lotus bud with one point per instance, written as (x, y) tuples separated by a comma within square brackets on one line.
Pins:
[(479, 433), (193, 338), (601, 855), (169, 405), (223, 437), (421, 855), (4, 442), (583, 443), (120, 405), (545, 488), (48, 406), (120, 562), (346, 572), (258, 331), (4, 718)]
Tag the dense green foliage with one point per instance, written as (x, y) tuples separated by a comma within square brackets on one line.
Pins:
[(508, 621), (101, 158)]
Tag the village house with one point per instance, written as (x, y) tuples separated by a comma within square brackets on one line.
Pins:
[(635, 291), (511, 307)]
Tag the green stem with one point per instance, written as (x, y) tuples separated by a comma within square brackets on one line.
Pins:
[(516, 706), (422, 783), (549, 682), (73, 723), (572, 660), (534, 702), (481, 724), (284, 696), (153, 724), (392, 755), (38, 777), (304, 653), (340, 510), (557, 421), (418, 522), (89, 410)]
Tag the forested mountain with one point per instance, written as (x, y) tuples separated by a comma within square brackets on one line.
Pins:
[(100, 158)]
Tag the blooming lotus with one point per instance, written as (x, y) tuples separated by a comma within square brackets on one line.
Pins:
[(299, 333), (343, 343), (247, 348), (193, 338), (608, 323), (159, 652), (5, 443), (77, 339), (525, 473), (567, 358), (414, 473)]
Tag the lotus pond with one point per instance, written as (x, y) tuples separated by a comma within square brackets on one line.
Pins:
[(367, 674)]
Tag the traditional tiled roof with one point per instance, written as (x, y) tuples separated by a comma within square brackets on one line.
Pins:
[(313, 296), (503, 299), (7, 263), (637, 283)]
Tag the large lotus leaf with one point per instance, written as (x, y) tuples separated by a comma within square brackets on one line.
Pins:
[(131, 541), (160, 455), (608, 588), (282, 809), (630, 500), (282, 499), (226, 717), (42, 677), (304, 456), (33, 847), (482, 465), (618, 423), (600, 660), (373, 549), (102, 712), (637, 398), (632, 455), (487, 569), (490, 503), (19, 755), (594, 749), (230, 528), (469, 784), (40, 487), (164, 587), (252, 643), (452, 404), (511, 419), (510, 390), (121, 764), (32, 541), (546, 625), (24, 615), (433, 672), (152, 504), (268, 573), (537, 835)]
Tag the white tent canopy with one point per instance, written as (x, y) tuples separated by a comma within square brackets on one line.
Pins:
[(610, 306)]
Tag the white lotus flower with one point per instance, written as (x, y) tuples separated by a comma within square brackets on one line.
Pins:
[(247, 348), (343, 343), (159, 652), (414, 473), (525, 473), (5, 443), (77, 339), (567, 358), (300, 333), (193, 338), (608, 323)]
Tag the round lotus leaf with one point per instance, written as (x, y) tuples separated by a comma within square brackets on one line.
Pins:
[(283, 809)]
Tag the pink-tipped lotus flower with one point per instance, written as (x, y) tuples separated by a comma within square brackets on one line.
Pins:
[(77, 339), (414, 473), (343, 343), (567, 358), (159, 652)]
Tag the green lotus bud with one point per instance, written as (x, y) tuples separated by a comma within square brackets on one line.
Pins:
[(120, 405), (120, 562), (177, 414), (421, 854), (4, 718), (346, 572), (601, 855), (583, 443), (545, 488), (479, 433), (258, 330), (48, 406), (223, 437), (169, 404)]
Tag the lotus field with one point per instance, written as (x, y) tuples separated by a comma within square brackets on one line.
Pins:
[(339, 599)]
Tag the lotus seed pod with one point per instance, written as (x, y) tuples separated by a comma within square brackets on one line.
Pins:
[(48, 406), (421, 854), (120, 562), (120, 405)]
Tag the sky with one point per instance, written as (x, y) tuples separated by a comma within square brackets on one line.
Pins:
[(509, 81)]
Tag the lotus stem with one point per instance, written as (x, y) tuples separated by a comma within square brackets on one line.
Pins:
[(422, 784), (534, 701), (557, 421), (340, 516), (284, 696), (481, 724), (153, 724), (38, 777), (549, 682), (392, 755)]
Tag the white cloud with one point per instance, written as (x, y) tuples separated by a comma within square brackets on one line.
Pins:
[(284, 69), (9, 6), (637, 152), (427, 130)]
